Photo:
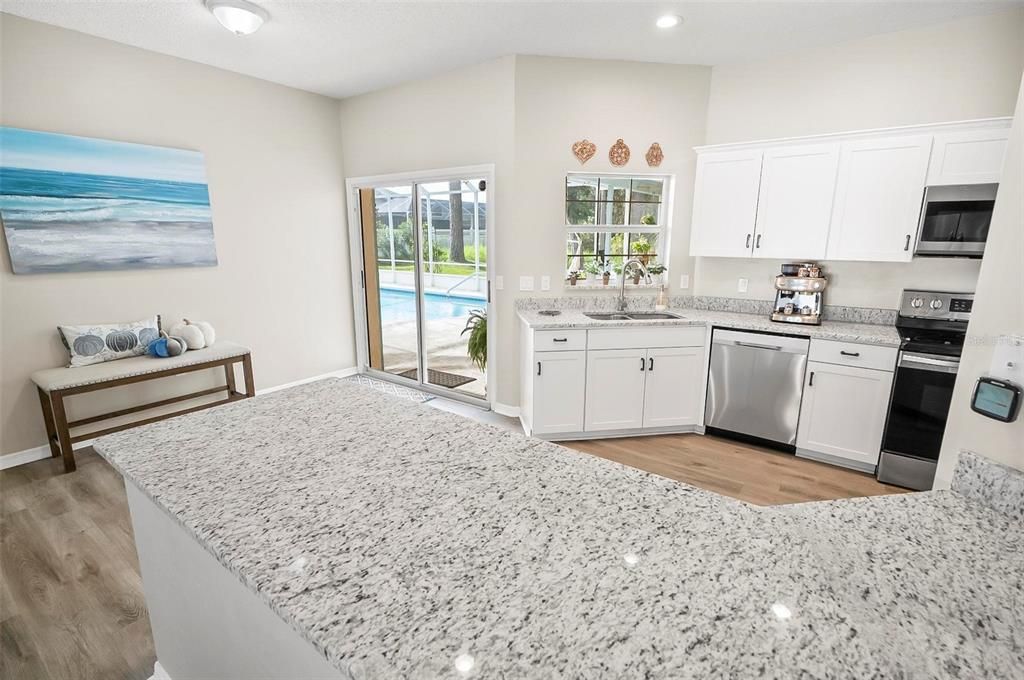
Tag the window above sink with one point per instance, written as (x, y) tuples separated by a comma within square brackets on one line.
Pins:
[(610, 218)]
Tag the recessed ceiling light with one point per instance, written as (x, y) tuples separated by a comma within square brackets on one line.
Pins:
[(669, 20), (238, 16)]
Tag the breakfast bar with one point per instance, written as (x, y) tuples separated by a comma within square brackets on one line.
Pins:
[(393, 540)]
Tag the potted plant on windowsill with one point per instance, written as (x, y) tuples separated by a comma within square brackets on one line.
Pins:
[(574, 276), (592, 268), (642, 249), (656, 270)]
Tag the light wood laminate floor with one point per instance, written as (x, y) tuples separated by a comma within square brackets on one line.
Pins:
[(71, 598)]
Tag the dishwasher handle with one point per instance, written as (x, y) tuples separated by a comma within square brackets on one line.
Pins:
[(774, 348)]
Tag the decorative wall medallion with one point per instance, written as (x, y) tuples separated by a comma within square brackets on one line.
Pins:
[(654, 155), (584, 150), (619, 153)]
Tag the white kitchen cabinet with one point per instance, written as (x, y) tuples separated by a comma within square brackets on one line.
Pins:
[(842, 414), (878, 198), (794, 204), (973, 157), (559, 391), (615, 389), (725, 203), (672, 387)]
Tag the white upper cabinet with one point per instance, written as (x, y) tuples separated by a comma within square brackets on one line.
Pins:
[(725, 203), (974, 157), (878, 198), (795, 201)]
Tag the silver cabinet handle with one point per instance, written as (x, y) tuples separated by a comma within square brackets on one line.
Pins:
[(758, 244), (774, 348), (748, 241), (906, 246), (538, 368)]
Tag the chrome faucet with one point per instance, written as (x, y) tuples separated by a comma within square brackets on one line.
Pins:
[(622, 282)]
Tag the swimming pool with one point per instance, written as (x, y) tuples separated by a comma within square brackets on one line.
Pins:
[(400, 305)]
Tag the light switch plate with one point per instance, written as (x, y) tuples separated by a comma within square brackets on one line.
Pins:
[(741, 286), (499, 282), (545, 283), (684, 280), (525, 283)]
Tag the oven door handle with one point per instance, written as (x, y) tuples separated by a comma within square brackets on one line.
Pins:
[(929, 364)]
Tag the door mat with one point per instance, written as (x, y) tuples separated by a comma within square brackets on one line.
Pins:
[(439, 378), (392, 388)]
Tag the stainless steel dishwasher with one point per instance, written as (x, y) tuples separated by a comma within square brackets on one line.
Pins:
[(754, 385)]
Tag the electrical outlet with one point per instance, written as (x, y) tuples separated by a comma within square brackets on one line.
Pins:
[(741, 286), (545, 283), (684, 280), (499, 282), (525, 283)]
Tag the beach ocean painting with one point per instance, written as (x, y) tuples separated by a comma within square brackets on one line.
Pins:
[(72, 204)]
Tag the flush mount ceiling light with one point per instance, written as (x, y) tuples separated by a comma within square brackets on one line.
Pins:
[(238, 16), (669, 21)]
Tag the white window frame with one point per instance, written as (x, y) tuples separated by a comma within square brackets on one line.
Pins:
[(661, 228)]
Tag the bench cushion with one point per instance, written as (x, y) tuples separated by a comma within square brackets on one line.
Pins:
[(63, 378)]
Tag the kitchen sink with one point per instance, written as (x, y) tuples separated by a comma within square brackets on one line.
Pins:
[(630, 316)]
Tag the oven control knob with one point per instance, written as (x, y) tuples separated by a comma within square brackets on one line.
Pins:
[(916, 302), (935, 304)]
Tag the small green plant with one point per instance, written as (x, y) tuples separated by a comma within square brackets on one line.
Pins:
[(593, 267), (656, 269), (649, 220), (476, 348)]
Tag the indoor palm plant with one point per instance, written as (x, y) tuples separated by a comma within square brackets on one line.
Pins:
[(476, 326)]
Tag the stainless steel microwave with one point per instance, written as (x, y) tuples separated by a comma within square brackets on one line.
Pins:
[(955, 220)]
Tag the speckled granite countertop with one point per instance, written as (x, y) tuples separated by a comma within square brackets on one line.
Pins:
[(874, 334), (395, 537)]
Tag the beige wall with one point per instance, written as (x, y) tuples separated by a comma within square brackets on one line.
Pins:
[(560, 101), (523, 114), (998, 311), (274, 169), (955, 71)]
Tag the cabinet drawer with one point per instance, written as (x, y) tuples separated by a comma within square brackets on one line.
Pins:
[(546, 341), (649, 337), (853, 354)]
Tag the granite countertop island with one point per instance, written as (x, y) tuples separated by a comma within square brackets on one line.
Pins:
[(423, 536)]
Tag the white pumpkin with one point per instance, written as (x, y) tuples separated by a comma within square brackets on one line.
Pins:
[(209, 334), (192, 336)]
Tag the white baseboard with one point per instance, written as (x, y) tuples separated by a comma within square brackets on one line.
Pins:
[(343, 373), (159, 673), (506, 410), (9, 460)]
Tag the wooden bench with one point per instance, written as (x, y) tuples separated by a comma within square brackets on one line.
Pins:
[(55, 384)]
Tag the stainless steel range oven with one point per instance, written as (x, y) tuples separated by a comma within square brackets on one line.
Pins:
[(932, 326)]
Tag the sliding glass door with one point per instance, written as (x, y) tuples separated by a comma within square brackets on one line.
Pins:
[(424, 271)]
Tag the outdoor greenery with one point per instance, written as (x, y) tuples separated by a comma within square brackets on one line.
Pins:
[(404, 247)]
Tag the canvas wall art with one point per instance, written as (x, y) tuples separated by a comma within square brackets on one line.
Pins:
[(72, 204)]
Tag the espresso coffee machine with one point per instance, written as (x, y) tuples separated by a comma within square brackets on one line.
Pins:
[(799, 293)]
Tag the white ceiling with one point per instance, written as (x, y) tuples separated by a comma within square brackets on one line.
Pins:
[(341, 47)]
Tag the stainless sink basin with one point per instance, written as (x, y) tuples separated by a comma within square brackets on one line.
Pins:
[(630, 316), (641, 316)]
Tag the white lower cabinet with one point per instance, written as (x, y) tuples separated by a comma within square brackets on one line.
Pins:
[(559, 388), (638, 388), (843, 414), (672, 388), (615, 389)]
